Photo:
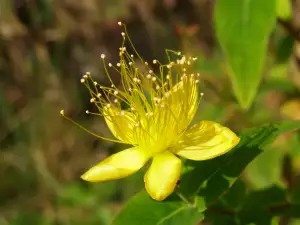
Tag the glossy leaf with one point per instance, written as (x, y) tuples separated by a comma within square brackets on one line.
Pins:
[(207, 180), (211, 178), (141, 209), (242, 29)]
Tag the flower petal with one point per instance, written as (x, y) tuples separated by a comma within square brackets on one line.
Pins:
[(119, 165), (121, 124), (162, 176), (206, 140)]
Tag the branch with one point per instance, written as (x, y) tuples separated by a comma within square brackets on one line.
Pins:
[(290, 29)]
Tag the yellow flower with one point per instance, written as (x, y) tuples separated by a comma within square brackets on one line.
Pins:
[(153, 113)]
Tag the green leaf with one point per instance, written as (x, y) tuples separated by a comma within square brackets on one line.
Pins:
[(261, 174), (210, 179), (141, 209), (267, 197), (242, 28), (284, 49), (234, 197)]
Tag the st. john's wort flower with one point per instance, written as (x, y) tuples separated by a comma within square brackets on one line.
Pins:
[(153, 112)]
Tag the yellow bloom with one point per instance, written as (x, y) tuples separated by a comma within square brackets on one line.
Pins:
[(153, 114)]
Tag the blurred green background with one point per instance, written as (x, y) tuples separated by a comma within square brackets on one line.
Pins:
[(46, 46)]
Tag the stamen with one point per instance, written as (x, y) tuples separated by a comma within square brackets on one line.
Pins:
[(86, 130)]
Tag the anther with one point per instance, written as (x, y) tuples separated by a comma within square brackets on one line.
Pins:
[(182, 60), (150, 71), (130, 63), (116, 101), (154, 61), (116, 92), (95, 83), (118, 64), (62, 112), (148, 76), (146, 63), (82, 80), (88, 73), (99, 95), (87, 111), (109, 64), (122, 113), (85, 76), (153, 78), (102, 56), (123, 34), (108, 105), (120, 23), (92, 100)]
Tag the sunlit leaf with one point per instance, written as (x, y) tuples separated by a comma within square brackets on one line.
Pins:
[(242, 29)]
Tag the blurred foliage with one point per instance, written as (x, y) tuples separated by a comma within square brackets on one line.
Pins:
[(45, 47)]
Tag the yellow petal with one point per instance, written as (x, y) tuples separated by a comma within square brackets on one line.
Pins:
[(121, 124), (206, 140), (119, 165), (162, 176)]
